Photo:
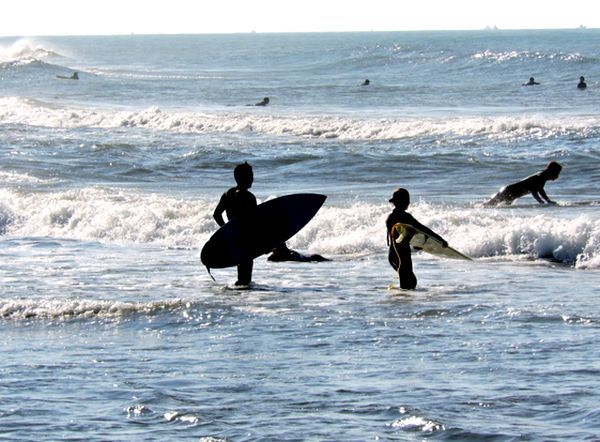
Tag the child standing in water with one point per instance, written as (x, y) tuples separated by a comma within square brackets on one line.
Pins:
[(399, 254), (533, 184), (238, 201)]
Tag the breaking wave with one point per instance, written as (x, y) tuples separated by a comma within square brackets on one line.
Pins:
[(16, 110), (115, 216)]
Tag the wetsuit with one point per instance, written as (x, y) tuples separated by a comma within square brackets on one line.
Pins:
[(399, 254), (237, 202)]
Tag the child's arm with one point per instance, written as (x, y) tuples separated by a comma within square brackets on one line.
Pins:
[(537, 190), (427, 230), (543, 195), (536, 194), (218, 213)]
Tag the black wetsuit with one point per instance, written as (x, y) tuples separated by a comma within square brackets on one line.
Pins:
[(237, 202), (399, 255), (533, 184)]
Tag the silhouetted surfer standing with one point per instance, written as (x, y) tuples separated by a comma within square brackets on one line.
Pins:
[(238, 201), (399, 255)]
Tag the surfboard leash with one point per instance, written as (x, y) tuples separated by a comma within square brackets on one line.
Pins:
[(210, 274), (391, 238)]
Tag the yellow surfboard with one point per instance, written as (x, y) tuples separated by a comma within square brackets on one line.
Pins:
[(422, 241)]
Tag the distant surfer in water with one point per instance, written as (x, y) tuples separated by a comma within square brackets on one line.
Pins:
[(283, 253), (533, 184), (582, 84), (366, 82), (264, 102), (399, 254), (75, 76), (531, 82), (238, 201)]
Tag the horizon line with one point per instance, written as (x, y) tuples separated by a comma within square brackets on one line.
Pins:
[(254, 32)]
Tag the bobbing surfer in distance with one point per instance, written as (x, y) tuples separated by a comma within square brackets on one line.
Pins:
[(533, 184), (238, 201), (264, 102), (399, 255), (531, 82)]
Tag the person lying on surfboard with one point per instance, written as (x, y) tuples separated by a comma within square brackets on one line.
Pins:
[(238, 201), (282, 253), (533, 184), (74, 76), (399, 255)]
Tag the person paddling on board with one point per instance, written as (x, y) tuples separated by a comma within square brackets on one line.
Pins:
[(282, 253), (238, 201), (74, 76), (533, 184), (399, 255)]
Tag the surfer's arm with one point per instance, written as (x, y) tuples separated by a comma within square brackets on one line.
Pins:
[(542, 193), (535, 185), (539, 193), (428, 231), (436, 236), (218, 213), (536, 195)]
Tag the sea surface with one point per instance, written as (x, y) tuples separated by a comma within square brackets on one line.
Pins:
[(111, 329)]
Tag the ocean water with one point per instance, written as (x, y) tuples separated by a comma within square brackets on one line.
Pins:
[(111, 329)]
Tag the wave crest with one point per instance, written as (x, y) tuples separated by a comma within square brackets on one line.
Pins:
[(120, 216), (25, 51), (16, 110)]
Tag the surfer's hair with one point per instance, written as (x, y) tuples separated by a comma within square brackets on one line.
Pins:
[(243, 173), (400, 196), (553, 167)]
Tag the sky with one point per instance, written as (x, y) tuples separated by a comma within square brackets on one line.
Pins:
[(110, 17)]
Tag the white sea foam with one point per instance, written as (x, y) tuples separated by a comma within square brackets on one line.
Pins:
[(60, 309), (17, 110), (106, 215), (20, 178), (417, 423), (110, 215)]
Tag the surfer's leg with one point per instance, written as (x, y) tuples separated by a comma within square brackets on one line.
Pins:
[(504, 196), (401, 260), (244, 273), (494, 200), (408, 280)]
